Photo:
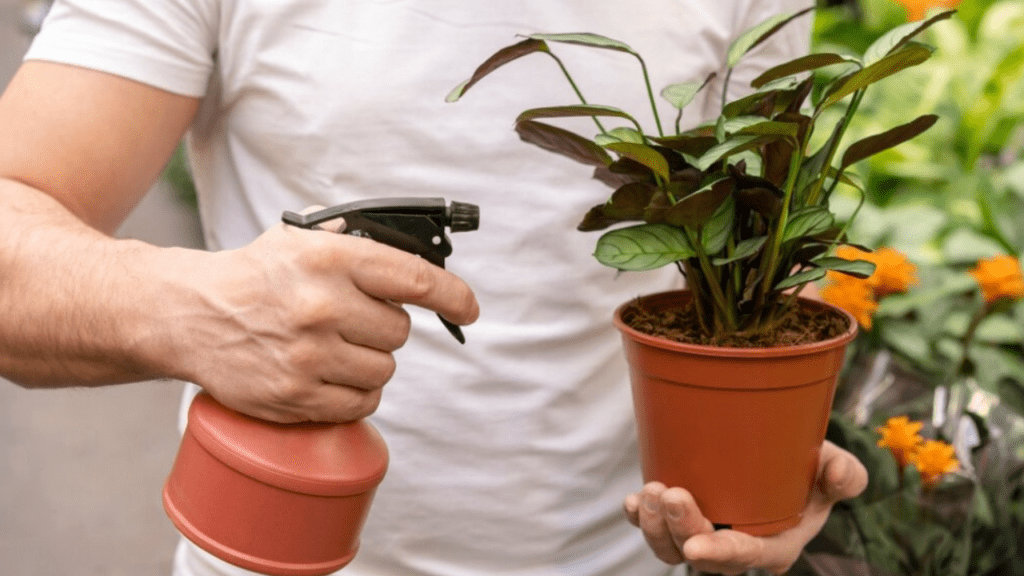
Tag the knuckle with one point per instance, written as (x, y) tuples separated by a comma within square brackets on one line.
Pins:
[(419, 277), (289, 393)]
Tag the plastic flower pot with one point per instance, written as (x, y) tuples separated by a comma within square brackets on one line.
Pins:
[(279, 499), (739, 428)]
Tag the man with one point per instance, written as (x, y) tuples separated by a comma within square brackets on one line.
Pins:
[(510, 454)]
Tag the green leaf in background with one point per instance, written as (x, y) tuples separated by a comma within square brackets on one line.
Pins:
[(758, 34), (888, 43), (979, 117), (910, 55), (802, 64), (499, 59), (564, 142), (643, 247), (645, 155)]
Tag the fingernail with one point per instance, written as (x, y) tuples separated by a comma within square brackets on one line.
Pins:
[(674, 510), (651, 504)]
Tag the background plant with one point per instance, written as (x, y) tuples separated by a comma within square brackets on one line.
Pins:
[(742, 204), (945, 353)]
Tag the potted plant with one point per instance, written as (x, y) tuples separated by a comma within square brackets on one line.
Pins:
[(733, 378)]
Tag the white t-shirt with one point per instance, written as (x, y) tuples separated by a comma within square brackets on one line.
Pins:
[(510, 454)]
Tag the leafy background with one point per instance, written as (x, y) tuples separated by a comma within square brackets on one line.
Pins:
[(946, 199)]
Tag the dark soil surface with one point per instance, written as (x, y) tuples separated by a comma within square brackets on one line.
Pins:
[(803, 324)]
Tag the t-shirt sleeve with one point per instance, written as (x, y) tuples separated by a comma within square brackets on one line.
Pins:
[(168, 44)]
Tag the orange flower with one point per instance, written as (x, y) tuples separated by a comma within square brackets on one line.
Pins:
[(894, 274), (916, 9), (851, 294), (900, 436), (999, 277), (934, 459)]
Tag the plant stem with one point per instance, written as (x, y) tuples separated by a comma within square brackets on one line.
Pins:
[(576, 89), (650, 95), (771, 262), (693, 282), (812, 199), (727, 312), (725, 87)]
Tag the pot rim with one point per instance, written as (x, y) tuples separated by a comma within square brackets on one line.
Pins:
[(729, 352)]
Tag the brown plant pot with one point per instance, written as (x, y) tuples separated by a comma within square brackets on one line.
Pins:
[(739, 428), (279, 499)]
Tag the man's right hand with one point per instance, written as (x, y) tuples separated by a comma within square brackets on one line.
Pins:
[(300, 325)]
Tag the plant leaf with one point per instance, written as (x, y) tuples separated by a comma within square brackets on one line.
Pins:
[(645, 155), (744, 249), (681, 94), (798, 65), (856, 268), (799, 278), (643, 247), (564, 142), (734, 145), (629, 201), (585, 39), (807, 222), (717, 231), (893, 39), (910, 55), (497, 60), (698, 208), (888, 139), (574, 110), (758, 34)]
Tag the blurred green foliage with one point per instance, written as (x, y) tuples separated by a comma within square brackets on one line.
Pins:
[(947, 198)]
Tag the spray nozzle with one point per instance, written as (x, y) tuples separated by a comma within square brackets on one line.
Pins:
[(415, 225)]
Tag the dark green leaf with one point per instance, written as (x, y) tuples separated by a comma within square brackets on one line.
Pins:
[(643, 247), (760, 200), (645, 155), (574, 110), (595, 219), (629, 201), (888, 139), (759, 34), (890, 41), (745, 249), (698, 208), (499, 59), (796, 66), (812, 275), (910, 55), (692, 145), (856, 268), (564, 142)]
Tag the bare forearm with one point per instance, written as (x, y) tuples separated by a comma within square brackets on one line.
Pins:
[(78, 307)]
